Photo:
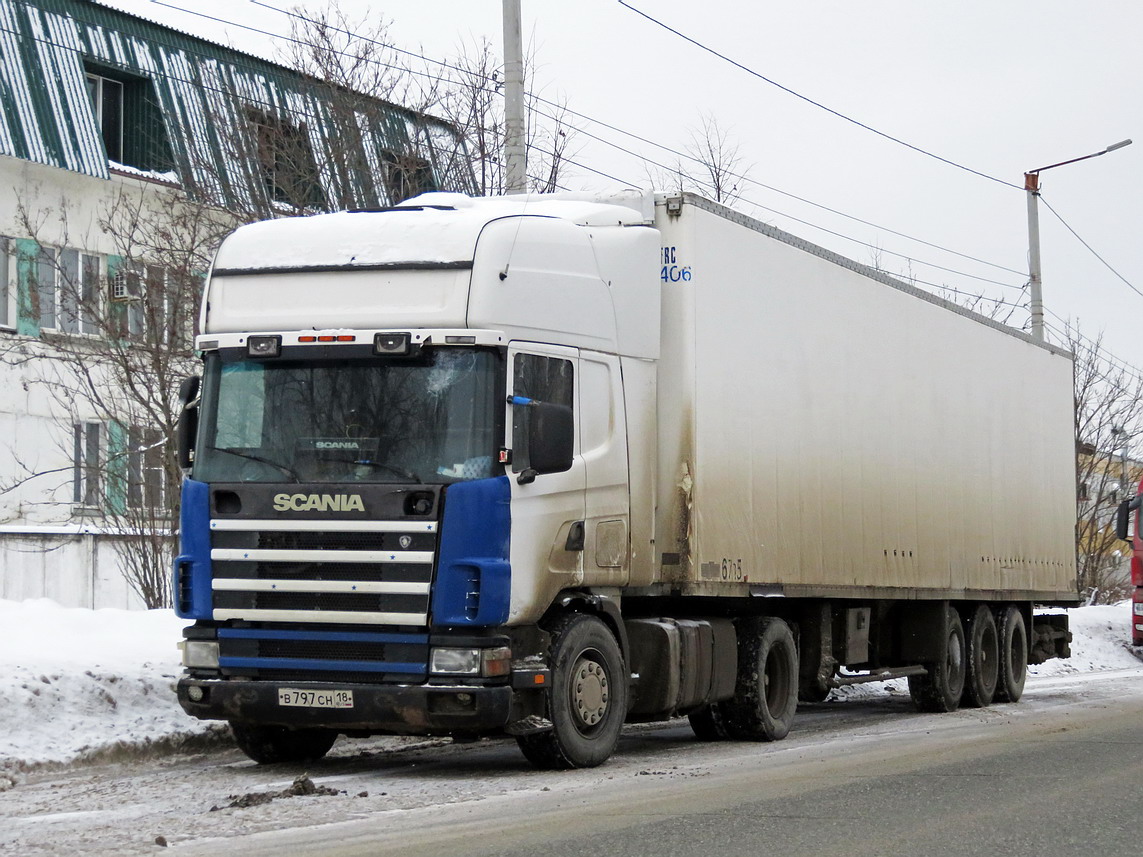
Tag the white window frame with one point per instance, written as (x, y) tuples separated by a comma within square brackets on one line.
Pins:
[(146, 482), (96, 86), (87, 477), (7, 283), (87, 274)]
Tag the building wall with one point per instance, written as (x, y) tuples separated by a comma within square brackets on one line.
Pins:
[(195, 118)]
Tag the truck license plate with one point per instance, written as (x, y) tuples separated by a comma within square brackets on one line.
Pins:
[(315, 698)]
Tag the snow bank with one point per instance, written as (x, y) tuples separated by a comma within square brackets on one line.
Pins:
[(1101, 640), (78, 684)]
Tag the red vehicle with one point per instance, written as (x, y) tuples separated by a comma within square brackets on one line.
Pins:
[(1123, 530)]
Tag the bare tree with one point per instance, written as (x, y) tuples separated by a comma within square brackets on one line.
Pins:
[(473, 102), (1108, 424), (713, 167), (117, 343)]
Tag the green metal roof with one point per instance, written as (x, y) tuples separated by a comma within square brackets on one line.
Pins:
[(188, 108)]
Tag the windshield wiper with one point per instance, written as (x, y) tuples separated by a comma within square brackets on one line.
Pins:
[(252, 457)]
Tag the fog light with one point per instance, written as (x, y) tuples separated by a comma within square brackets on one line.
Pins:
[(199, 653), (194, 693), (263, 346), (391, 343), (455, 661)]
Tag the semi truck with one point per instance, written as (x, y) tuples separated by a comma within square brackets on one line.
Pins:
[(1134, 537), (539, 466)]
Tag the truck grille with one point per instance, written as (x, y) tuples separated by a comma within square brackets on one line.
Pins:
[(323, 571)]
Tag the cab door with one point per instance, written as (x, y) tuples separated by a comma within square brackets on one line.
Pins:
[(548, 509)]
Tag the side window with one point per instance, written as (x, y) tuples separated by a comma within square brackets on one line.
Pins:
[(545, 379)]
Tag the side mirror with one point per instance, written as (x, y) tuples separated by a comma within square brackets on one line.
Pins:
[(1123, 518), (551, 438), (186, 428)]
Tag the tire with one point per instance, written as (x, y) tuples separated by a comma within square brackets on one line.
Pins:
[(268, 745), (983, 659), (766, 696), (708, 724), (940, 690), (1012, 635), (587, 699)]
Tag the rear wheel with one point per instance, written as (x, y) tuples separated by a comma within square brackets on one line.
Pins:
[(941, 688), (587, 699), (766, 696), (268, 745), (983, 659), (1013, 661)]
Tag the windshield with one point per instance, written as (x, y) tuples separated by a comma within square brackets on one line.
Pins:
[(361, 419)]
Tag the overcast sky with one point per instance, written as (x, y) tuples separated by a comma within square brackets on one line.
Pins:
[(996, 86)]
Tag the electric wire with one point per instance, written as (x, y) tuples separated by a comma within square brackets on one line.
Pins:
[(1106, 264), (293, 14), (937, 286), (809, 100)]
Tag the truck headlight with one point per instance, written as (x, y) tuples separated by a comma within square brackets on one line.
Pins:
[(199, 653), (483, 662), (454, 661)]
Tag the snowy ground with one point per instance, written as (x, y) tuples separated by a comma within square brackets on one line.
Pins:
[(96, 684)]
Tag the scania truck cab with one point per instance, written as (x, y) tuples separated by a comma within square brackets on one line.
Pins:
[(386, 424)]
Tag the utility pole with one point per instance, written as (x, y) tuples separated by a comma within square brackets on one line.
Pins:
[(515, 151), (1032, 188)]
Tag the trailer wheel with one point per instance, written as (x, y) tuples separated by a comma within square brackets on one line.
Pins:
[(268, 745), (983, 660), (708, 723), (940, 690), (1013, 660), (587, 699), (766, 696)]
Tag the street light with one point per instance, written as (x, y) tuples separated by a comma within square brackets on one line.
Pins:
[(1032, 186)]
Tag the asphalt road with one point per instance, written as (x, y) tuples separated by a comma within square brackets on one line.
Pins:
[(1059, 774)]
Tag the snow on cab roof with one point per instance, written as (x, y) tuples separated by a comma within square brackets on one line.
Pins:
[(434, 228)]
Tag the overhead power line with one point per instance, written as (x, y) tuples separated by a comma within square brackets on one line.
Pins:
[(295, 15), (1090, 248), (809, 100)]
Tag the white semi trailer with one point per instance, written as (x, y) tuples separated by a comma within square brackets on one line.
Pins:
[(540, 466)]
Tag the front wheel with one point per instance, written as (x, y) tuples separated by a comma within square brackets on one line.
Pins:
[(587, 699), (268, 745)]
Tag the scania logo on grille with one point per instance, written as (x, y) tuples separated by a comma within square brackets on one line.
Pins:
[(318, 503), (405, 541)]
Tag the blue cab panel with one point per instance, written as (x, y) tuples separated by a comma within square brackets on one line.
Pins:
[(474, 577), (191, 586)]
